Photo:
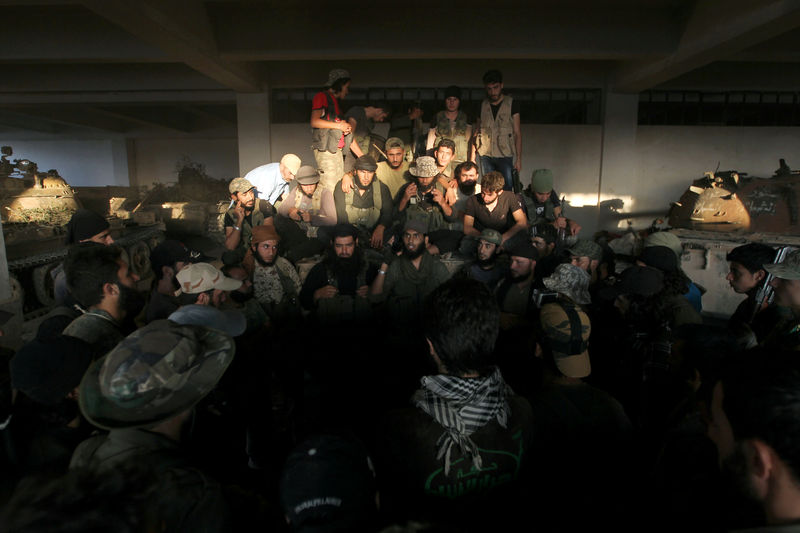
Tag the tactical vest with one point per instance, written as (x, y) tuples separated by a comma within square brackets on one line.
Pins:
[(316, 203), (432, 217), (549, 214), (257, 218), (288, 307), (364, 216), (327, 140), (497, 133), (344, 307), (458, 134)]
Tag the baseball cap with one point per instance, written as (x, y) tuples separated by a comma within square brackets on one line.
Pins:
[(788, 269), (240, 185), (586, 248), (201, 277), (571, 281), (291, 162), (491, 236), (567, 340), (328, 484), (395, 142), (336, 74), (542, 180), (153, 374), (306, 175)]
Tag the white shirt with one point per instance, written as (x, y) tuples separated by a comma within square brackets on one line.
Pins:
[(268, 181)]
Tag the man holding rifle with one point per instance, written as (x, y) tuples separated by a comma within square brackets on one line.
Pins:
[(748, 276), (785, 283)]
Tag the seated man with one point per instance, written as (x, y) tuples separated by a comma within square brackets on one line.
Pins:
[(405, 283), (144, 391), (785, 333), (466, 186), (306, 211), (272, 180), (467, 438), (544, 239), (515, 293), (337, 289), (394, 171), (276, 284), (747, 276), (495, 209), (203, 291), (368, 206), (246, 212), (486, 268), (586, 255), (543, 204), (166, 260), (424, 200), (100, 281)]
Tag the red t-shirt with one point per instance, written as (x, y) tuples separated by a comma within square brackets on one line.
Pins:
[(320, 101)]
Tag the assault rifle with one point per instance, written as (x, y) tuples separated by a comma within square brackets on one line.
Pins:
[(766, 293)]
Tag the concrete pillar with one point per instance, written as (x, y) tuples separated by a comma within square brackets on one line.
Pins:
[(252, 112), (618, 161)]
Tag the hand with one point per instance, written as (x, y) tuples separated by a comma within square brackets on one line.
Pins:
[(411, 191), (238, 210), (518, 165), (347, 183), (345, 127), (451, 195), (361, 292), (560, 223), (377, 237), (328, 291), (438, 197), (574, 227), (294, 214), (305, 215)]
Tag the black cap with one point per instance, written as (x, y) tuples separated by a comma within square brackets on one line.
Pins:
[(85, 224)]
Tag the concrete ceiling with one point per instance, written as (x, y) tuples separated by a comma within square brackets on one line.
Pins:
[(120, 66)]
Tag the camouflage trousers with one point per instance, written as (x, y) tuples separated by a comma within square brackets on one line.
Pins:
[(331, 168)]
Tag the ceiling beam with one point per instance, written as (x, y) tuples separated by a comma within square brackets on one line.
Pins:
[(78, 115), (715, 30), (181, 29)]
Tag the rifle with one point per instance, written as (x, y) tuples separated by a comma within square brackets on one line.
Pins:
[(766, 293)]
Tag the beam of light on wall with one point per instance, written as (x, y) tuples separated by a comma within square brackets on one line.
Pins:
[(621, 203)]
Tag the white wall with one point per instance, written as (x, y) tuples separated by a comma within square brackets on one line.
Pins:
[(79, 162)]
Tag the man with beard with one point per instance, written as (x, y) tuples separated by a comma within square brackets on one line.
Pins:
[(275, 280), (466, 175), (368, 206), (424, 200), (486, 268), (496, 209), (394, 171), (405, 283), (514, 294), (246, 213), (499, 137), (166, 260), (543, 204), (754, 424), (272, 181), (544, 238), (302, 217), (336, 290), (100, 281)]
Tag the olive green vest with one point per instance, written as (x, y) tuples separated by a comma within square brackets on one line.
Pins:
[(497, 133), (432, 218), (327, 140), (458, 134), (247, 228), (364, 216)]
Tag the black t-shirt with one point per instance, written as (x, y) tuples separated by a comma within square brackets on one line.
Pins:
[(496, 107), (501, 218)]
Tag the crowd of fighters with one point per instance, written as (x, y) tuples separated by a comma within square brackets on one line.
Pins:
[(397, 337)]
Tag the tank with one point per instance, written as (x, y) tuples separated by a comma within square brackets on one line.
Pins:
[(34, 208), (731, 201)]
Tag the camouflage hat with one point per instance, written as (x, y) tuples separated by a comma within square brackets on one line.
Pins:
[(336, 74), (492, 236), (307, 175), (571, 281), (240, 185), (394, 142), (586, 248), (366, 162), (202, 277), (788, 269), (154, 374), (665, 238), (542, 180), (569, 347), (425, 167)]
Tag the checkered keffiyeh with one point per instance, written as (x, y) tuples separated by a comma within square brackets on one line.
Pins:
[(462, 406)]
